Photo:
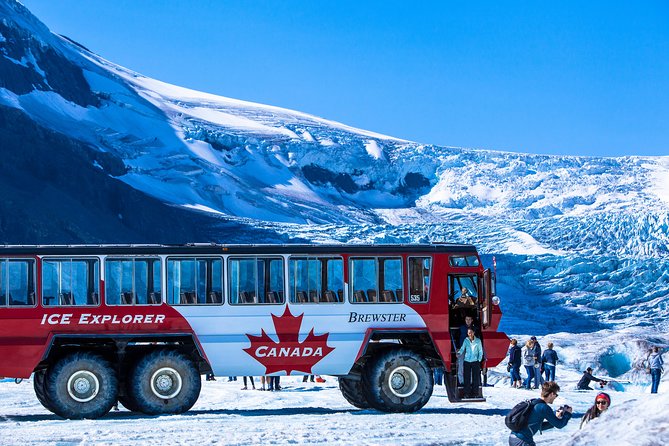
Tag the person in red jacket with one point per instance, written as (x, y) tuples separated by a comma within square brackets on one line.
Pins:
[(602, 403)]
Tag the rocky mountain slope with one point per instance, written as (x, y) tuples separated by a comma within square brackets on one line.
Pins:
[(94, 152)]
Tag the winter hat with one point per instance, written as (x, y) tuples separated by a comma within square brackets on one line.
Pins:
[(603, 396), (533, 338)]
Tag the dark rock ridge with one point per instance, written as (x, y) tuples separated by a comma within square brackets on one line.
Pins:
[(26, 64)]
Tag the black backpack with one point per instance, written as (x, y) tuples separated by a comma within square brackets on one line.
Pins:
[(518, 417)]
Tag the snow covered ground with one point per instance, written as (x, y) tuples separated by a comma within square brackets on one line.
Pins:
[(308, 413)]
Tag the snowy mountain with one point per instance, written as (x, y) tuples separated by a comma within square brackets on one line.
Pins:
[(94, 152)]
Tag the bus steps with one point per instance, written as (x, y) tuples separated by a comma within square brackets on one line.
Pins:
[(456, 393)]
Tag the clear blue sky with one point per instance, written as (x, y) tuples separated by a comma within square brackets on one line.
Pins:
[(567, 77)]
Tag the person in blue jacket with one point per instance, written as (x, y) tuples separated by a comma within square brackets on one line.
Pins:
[(515, 358), (656, 366), (472, 349), (549, 360), (540, 412)]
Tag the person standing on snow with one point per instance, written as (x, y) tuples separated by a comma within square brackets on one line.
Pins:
[(536, 352), (528, 363), (540, 412), (584, 383), (515, 359), (655, 363), (549, 360)]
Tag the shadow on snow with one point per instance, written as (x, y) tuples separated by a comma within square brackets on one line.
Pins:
[(286, 411)]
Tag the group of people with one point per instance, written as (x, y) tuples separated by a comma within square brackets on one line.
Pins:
[(539, 364), (536, 363), (542, 417)]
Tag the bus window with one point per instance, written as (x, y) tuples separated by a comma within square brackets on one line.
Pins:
[(67, 282), (132, 281), (256, 280), (194, 281), (420, 269), (463, 290), (334, 287), (390, 280), (17, 282), (377, 279), (486, 308), (464, 260), (316, 280), (363, 280)]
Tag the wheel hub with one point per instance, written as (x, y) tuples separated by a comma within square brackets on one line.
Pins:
[(166, 383), (83, 386), (403, 381)]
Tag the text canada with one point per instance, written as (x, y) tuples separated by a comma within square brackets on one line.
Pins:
[(286, 352)]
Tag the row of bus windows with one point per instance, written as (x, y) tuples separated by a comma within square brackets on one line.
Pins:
[(199, 281)]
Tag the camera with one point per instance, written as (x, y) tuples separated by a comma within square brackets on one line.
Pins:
[(563, 408)]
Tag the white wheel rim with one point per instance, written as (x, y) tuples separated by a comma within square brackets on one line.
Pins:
[(402, 381), (83, 386), (166, 383)]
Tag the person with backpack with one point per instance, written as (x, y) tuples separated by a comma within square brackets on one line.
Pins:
[(529, 417), (584, 383), (549, 361)]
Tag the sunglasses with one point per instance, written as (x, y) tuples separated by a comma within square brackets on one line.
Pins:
[(604, 402)]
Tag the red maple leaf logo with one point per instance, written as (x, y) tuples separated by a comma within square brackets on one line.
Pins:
[(288, 354)]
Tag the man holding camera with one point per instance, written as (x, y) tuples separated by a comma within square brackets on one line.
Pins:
[(542, 411)]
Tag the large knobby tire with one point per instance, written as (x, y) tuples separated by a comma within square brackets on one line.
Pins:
[(353, 392), (39, 384), (164, 382), (81, 385), (352, 388), (398, 380)]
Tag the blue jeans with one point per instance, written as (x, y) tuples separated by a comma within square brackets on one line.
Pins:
[(538, 376), (549, 371), (438, 376), (655, 375), (530, 375), (515, 374)]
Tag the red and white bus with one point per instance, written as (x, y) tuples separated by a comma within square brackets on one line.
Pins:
[(140, 324)]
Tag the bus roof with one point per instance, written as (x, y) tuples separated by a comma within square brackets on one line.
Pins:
[(206, 248)]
